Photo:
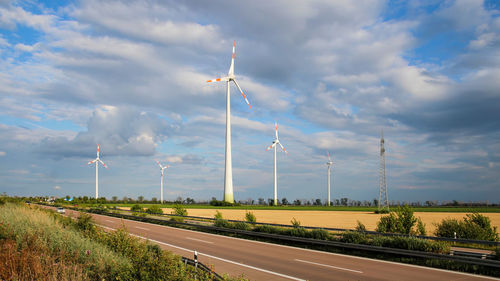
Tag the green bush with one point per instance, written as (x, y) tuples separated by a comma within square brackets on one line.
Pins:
[(218, 215), (268, 229), (223, 223), (297, 232), (401, 221), (319, 234), (241, 225), (250, 217), (360, 227), (354, 237), (179, 210), (85, 224), (295, 223), (154, 210), (474, 226), (411, 243), (137, 208)]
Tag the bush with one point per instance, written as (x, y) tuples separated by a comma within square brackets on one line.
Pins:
[(295, 223), (268, 229), (319, 234), (354, 237), (250, 217), (218, 215), (241, 225), (360, 227), (137, 208), (382, 211), (297, 232), (179, 210), (421, 227), (85, 224), (154, 210), (401, 221), (411, 243), (474, 226)]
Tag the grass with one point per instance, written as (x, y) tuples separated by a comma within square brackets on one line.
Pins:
[(39, 244), (452, 209)]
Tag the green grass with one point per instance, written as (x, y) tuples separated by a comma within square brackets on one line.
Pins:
[(451, 209)]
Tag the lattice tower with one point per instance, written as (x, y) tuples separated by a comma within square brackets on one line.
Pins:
[(383, 201)]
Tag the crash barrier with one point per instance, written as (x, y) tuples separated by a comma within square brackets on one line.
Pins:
[(316, 242), (198, 265)]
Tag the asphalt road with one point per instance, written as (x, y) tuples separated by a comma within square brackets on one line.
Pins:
[(264, 261)]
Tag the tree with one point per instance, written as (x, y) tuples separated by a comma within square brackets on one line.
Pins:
[(114, 198), (140, 198), (343, 201), (297, 202), (317, 202), (284, 201), (154, 200), (270, 201), (262, 201)]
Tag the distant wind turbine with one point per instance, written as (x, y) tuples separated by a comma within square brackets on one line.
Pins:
[(276, 141), (228, 175), (161, 189), (329, 164), (97, 161)]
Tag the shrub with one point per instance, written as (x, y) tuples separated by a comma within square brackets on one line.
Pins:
[(154, 210), (319, 234), (85, 224), (268, 229), (137, 208), (223, 223), (411, 243), (250, 217), (382, 211), (179, 210), (360, 227), (297, 232), (474, 226), (421, 227), (241, 225), (354, 237), (295, 223), (401, 221), (218, 215)]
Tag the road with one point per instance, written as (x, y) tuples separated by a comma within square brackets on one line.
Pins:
[(265, 261)]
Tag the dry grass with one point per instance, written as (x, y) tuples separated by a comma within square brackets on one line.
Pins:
[(334, 219)]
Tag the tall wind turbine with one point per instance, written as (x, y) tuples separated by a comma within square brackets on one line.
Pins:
[(97, 161), (329, 164), (276, 141), (228, 175), (161, 190)]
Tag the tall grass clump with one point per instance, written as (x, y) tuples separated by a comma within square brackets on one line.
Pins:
[(31, 231), (250, 217)]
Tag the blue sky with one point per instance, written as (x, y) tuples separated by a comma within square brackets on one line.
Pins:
[(130, 75)]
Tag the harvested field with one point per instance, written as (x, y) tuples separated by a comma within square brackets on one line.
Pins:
[(334, 219)]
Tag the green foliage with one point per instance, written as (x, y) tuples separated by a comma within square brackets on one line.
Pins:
[(382, 211), (2, 201), (241, 225), (355, 237), (179, 210), (320, 234), (85, 224), (401, 221), (250, 217), (497, 253), (360, 227), (295, 223), (421, 227), (154, 210), (474, 226), (218, 215), (411, 243), (137, 208)]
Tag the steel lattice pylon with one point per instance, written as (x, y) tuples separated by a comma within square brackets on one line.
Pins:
[(383, 201)]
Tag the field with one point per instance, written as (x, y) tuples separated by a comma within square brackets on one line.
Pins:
[(334, 219)]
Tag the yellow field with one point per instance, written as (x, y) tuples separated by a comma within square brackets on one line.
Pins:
[(334, 219)]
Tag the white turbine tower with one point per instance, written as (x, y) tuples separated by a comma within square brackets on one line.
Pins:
[(276, 141), (161, 188), (228, 175), (97, 161), (329, 164)]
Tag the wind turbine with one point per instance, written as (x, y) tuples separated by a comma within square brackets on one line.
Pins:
[(161, 190), (228, 175), (97, 161), (276, 141), (329, 164)]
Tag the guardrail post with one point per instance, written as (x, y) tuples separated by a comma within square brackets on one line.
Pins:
[(195, 259)]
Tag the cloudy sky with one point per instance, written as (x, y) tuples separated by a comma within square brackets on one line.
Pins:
[(131, 76)]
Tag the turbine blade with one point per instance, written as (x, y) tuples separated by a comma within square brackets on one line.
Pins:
[(283, 148), (231, 68), (276, 128), (329, 159), (91, 162), (241, 91), (158, 162), (271, 146), (103, 164), (218, 79)]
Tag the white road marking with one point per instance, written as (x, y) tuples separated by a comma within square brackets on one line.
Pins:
[(214, 257), (143, 228), (110, 221), (330, 266), (324, 253), (199, 240)]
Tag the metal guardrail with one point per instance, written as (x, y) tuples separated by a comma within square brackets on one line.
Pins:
[(371, 248), (201, 266), (458, 240)]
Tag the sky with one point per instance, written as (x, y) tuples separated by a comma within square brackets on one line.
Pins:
[(131, 77)]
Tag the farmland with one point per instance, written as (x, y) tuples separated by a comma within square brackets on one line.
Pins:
[(347, 218)]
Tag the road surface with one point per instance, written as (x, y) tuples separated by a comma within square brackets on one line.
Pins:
[(265, 261)]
